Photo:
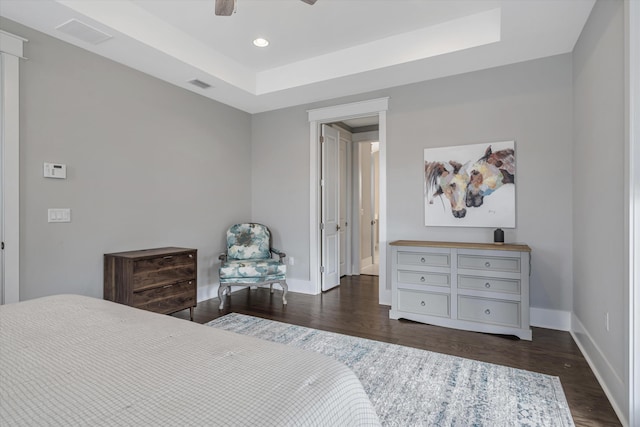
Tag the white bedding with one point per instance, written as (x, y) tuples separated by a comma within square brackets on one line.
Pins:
[(70, 360)]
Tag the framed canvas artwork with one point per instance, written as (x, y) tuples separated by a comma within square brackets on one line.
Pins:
[(470, 185)]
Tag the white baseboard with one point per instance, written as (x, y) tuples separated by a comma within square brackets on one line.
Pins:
[(550, 319), (384, 297), (211, 291), (302, 286), (207, 292), (295, 285), (610, 382)]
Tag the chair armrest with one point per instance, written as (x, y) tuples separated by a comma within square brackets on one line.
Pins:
[(279, 253), (223, 257)]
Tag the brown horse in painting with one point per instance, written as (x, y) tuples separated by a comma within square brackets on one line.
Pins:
[(466, 185), (489, 173)]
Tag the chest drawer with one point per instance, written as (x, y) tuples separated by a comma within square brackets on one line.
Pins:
[(163, 270), (465, 285), (168, 298), (489, 263), (429, 303), (484, 310), (489, 284), (163, 280), (431, 259), (424, 278)]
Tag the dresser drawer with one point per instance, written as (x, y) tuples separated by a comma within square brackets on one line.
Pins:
[(424, 278), (489, 263), (430, 303), (432, 259), (497, 312), (490, 284), (168, 298), (163, 270)]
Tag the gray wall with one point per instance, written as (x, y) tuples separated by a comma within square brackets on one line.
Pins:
[(529, 102), (598, 194), (148, 165), (280, 182)]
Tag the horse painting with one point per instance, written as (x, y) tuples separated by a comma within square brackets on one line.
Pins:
[(465, 185)]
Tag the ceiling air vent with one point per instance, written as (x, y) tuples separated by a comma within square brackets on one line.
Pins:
[(83, 31), (200, 84)]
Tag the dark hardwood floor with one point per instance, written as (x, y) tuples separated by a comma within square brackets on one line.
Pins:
[(353, 309)]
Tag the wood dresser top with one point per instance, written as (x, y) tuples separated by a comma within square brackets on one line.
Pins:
[(463, 245), (151, 253)]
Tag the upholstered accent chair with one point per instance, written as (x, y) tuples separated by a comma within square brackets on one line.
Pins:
[(248, 261)]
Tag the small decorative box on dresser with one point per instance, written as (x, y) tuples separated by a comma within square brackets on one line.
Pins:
[(162, 280), (479, 287)]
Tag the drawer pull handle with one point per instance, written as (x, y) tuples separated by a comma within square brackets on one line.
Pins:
[(190, 282), (167, 257), (423, 303), (422, 259), (190, 255), (487, 311), (422, 279), (487, 285), (487, 264)]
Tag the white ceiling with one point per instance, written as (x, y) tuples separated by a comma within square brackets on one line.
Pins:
[(332, 49)]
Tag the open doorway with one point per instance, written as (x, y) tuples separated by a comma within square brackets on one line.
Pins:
[(318, 119)]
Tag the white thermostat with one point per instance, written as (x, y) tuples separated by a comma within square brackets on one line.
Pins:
[(55, 170)]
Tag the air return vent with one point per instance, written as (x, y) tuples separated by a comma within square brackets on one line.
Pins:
[(83, 31), (200, 84)]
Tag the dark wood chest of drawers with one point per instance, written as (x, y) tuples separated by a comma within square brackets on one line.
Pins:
[(163, 280)]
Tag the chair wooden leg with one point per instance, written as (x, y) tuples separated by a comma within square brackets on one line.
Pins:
[(285, 289), (271, 287), (221, 296)]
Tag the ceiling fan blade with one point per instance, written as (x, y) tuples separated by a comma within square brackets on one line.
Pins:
[(225, 7), (311, 2)]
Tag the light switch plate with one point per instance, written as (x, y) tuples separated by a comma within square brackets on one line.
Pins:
[(59, 215)]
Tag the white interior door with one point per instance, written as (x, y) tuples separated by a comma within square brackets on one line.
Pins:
[(344, 247), (375, 201), (330, 221), (366, 206)]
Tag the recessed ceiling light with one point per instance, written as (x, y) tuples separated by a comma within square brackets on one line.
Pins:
[(260, 42)]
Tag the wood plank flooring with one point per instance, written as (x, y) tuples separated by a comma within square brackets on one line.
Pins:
[(353, 309)]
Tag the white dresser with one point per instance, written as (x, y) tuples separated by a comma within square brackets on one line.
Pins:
[(472, 286)]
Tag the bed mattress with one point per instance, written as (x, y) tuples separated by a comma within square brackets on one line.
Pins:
[(73, 360)]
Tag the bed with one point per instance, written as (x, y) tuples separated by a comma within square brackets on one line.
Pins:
[(73, 360)]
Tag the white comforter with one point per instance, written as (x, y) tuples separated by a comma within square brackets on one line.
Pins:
[(71, 360)]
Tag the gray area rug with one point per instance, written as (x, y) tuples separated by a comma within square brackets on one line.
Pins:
[(412, 387)]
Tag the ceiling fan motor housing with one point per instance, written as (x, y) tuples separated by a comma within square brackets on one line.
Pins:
[(228, 7)]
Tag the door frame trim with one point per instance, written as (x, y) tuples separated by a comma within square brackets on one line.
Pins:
[(632, 196), (318, 117)]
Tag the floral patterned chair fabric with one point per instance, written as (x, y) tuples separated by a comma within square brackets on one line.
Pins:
[(248, 260)]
